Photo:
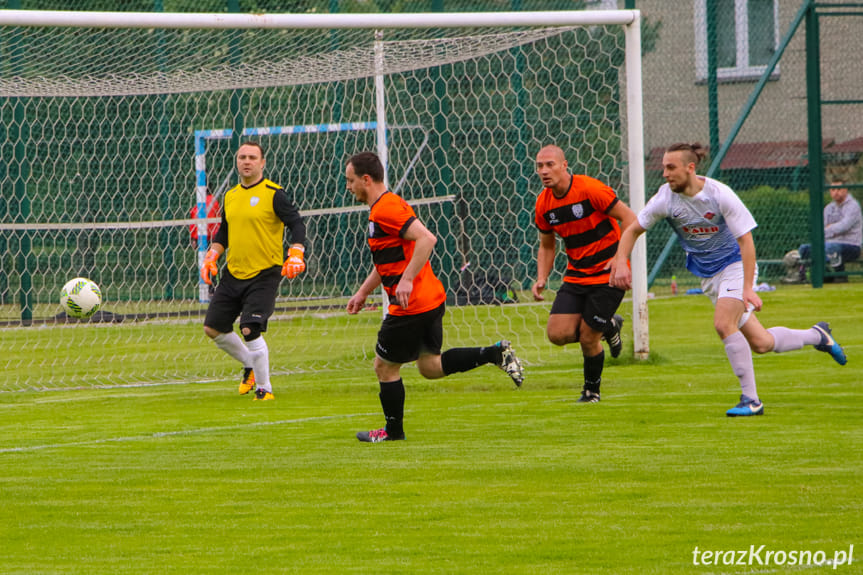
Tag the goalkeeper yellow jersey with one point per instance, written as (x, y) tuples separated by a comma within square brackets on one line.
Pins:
[(253, 228)]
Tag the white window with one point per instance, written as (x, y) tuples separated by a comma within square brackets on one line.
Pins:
[(747, 33)]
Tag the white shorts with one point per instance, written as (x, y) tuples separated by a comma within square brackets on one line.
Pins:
[(729, 283)]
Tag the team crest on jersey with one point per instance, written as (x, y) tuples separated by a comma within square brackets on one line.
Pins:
[(578, 211), (552, 218), (253, 201), (709, 216)]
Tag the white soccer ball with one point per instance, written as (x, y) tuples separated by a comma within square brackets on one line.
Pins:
[(80, 297)]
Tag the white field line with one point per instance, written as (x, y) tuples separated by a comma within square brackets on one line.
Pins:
[(203, 430), (185, 432)]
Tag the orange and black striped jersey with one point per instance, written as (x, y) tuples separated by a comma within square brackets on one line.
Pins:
[(389, 219), (581, 219)]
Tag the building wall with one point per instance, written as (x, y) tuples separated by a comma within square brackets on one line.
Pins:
[(676, 104)]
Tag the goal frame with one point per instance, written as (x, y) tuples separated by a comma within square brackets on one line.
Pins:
[(202, 179), (629, 20)]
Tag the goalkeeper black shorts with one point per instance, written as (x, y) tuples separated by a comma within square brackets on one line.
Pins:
[(252, 300)]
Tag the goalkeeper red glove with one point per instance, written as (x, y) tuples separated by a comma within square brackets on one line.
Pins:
[(295, 264), (210, 268)]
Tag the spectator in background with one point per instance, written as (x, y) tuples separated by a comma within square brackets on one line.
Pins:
[(213, 210), (843, 234)]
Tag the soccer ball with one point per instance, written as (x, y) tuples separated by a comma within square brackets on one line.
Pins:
[(80, 297)]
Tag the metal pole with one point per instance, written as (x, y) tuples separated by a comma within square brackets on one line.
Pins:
[(216, 21), (712, 84), (381, 129), (759, 87), (201, 202), (716, 159), (634, 111), (381, 105), (816, 167)]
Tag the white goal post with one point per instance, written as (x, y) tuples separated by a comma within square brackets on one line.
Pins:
[(106, 114)]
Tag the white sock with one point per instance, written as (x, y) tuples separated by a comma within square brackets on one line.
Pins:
[(259, 355), (231, 344), (785, 339), (740, 357)]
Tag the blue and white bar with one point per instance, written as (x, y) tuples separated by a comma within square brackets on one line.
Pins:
[(201, 138)]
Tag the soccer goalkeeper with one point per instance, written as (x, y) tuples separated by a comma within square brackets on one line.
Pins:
[(252, 231)]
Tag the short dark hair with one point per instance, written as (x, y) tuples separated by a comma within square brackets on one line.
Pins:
[(252, 143), (838, 181), (696, 151), (368, 164)]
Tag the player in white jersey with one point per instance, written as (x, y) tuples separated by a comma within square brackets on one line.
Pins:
[(714, 228)]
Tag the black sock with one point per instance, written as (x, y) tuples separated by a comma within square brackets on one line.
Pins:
[(392, 397), (593, 371), (460, 359)]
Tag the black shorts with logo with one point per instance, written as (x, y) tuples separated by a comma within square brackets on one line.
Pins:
[(595, 303), (402, 338), (253, 300)]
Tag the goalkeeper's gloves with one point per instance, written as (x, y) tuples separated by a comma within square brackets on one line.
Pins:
[(209, 269), (295, 263)]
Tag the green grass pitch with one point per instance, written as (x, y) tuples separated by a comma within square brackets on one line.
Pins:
[(179, 479)]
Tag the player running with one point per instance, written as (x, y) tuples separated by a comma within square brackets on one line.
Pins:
[(413, 329), (714, 228), (583, 212)]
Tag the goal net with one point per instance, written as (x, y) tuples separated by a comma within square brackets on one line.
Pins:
[(118, 125)]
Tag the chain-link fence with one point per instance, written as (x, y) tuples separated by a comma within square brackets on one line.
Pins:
[(768, 161), (111, 148), (472, 128)]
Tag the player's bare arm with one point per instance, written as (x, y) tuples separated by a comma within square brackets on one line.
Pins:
[(544, 264), (624, 214), (621, 276), (747, 253), (424, 243), (358, 300)]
